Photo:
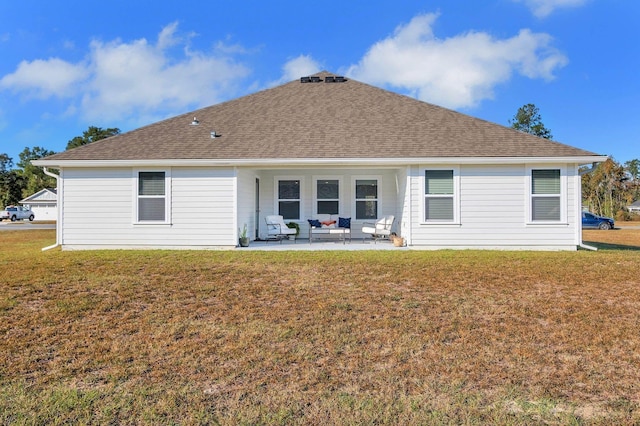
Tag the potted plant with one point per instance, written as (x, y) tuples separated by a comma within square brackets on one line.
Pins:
[(243, 240), (294, 225)]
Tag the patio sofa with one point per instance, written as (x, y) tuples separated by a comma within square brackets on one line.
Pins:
[(324, 225)]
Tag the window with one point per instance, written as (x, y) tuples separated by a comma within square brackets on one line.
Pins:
[(152, 197), (327, 196), (289, 198), (366, 199), (545, 195), (439, 196)]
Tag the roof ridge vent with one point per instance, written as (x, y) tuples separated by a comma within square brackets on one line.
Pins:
[(310, 79), (335, 79)]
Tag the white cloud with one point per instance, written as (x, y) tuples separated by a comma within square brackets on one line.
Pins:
[(297, 67), (167, 37), (119, 80), (45, 78), (459, 71), (544, 8)]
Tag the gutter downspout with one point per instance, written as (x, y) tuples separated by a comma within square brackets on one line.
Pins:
[(587, 247), (589, 170), (57, 178), (582, 173)]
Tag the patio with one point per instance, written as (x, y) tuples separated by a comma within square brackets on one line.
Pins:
[(303, 245)]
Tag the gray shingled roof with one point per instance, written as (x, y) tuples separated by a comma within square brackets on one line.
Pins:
[(320, 120)]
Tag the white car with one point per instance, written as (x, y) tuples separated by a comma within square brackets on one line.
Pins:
[(14, 213)]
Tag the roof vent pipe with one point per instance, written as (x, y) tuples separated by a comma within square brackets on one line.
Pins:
[(195, 122)]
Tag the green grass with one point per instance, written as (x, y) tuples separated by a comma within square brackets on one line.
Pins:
[(244, 337)]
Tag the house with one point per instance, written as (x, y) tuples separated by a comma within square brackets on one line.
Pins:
[(634, 207), (43, 204), (321, 144)]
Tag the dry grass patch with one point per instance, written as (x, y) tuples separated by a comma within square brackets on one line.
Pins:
[(617, 239), (318, 337)]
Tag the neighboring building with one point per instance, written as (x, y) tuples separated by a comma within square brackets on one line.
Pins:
[(43, 204), (634, 207), (321, 144)]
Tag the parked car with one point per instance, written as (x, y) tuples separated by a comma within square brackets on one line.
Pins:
[(14, 213), (590, 220)]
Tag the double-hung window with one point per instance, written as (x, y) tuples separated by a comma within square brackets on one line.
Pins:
[(439, 196), (367, 198), (289, 198), (152, 197), (327, 196), (546, 195)]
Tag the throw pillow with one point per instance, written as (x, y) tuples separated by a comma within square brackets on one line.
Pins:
[(344, 222), (328, 222), (314, 222)]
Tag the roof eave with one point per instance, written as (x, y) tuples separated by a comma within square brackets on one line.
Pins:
[(288, 162)]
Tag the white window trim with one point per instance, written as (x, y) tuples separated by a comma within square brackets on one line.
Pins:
[(167, 197), (456, 196), (276, 198), (563, 196), (377, 178), (315, 193)]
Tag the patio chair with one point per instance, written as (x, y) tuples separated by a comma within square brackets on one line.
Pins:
[(277, 229), (378, 230)]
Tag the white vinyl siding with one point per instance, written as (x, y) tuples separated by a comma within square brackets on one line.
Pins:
[(100, 204), (493, 207)]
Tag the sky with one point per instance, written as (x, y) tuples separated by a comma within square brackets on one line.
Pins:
[(66, 65)]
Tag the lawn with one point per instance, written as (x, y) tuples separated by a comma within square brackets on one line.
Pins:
[(391, 337)]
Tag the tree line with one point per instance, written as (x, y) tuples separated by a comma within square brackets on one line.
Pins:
[(17, 183), (611, 187), (607, 190)]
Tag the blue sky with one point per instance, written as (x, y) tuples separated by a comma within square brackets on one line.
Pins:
[(68, 65)]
